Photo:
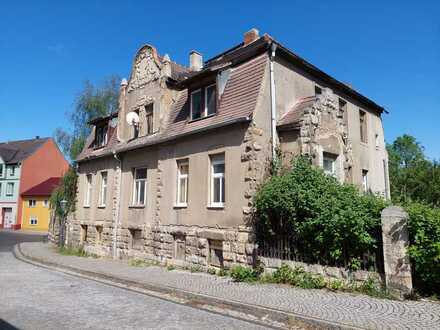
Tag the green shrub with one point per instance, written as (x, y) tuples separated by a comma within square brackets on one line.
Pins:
[(424, 250), (243, 274), (211, 271), (297, 276), (333, 221), (77, 252), (222, 272)]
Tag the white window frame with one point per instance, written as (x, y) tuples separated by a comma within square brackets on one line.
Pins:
[(365, 181), (10, 192), (206, 100), (334, 159), (103, 189), (136, 198), (88, 192), (216, 161), (180, 177), (12, 170), (33, 219), (191, 104), (2, 170), (32, 202), (46, 203)]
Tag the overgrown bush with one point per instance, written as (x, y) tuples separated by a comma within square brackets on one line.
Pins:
[(297, 276), (333, 222), (244, 274), (424, 250)]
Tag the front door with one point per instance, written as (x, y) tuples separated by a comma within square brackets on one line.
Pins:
[(8, 221)]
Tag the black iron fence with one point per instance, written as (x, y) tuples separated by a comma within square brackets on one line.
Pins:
[(286, 248)]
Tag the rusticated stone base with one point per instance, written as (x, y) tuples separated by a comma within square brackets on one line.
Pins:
[(183, 246)]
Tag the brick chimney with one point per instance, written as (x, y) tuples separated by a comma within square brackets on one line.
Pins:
[(195, 61), (251, 36)]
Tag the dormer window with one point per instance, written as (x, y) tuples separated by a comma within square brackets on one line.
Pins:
[(203, 102), (101, 136)]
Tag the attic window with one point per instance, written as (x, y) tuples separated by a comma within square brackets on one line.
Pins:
[(318, 90), (203, 102), (101, 136)]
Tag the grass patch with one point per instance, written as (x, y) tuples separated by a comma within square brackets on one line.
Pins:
[(77, 252), (170, 267), (136, 262)]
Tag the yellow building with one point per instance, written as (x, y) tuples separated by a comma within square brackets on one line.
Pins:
[(36, 208)]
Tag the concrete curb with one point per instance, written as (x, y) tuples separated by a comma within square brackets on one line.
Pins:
[(247, 312)]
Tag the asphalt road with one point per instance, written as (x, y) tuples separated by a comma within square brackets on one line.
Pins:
[(36, 298)]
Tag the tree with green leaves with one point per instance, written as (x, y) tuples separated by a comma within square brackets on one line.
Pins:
[(92, 102), (413, 177)]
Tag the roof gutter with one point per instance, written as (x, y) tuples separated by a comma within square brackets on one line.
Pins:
[(273, 104)]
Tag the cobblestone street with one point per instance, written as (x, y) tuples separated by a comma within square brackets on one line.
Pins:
[(341, 308), (36, 298)]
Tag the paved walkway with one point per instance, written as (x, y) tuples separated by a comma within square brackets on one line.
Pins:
[(341, 308)]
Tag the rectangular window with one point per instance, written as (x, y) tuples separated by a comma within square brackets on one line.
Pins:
[(33, 221), (210, 100), (318, 90), (1, 170), (88, 196), (149, 119), (216, 253), (136, 238), (365, 180), (196, 104), (46, 203), (363, 126), (98, 234), (32, 203), (182, 182), (217, 180), (1, 190), (10, 189), (329, 164), (83, 234), (136, 127), (101, 136), (140, 187), (103, 192), (377, 141)]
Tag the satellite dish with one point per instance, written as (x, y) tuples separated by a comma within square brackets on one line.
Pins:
[(132, 118)]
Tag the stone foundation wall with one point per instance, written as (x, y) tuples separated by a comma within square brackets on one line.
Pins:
[(183, 246), (271, 264)]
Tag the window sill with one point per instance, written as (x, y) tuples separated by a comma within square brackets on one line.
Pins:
[(86, 206), (97, 148), (180, 206), (102, 206), (201, 118), (364, 144), (216, 207), (136, 206)]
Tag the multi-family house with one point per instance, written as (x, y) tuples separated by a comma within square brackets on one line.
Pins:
[(24, 164), (171, 175)]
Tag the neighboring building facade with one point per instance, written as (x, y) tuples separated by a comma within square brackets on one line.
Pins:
[(24, 164), (178, 185), (36, 205)]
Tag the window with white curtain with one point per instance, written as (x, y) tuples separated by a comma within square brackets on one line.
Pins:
[(103, 192), (88, 192)]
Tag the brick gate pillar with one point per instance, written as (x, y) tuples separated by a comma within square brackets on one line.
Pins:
[(395, 245)]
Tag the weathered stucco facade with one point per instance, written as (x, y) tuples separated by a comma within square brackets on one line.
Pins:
[(219, 156)]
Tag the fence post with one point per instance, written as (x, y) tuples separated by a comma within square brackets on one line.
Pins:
[(395, 245)]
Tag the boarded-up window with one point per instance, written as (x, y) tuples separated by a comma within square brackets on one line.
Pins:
[(179, 247), (216, 253), (363, 126), (149, 119), (136, 238)]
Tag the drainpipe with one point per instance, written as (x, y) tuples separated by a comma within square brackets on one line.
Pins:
[(273, 109), (118, 207)]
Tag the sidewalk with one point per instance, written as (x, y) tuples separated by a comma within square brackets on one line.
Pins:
[(266, 302)]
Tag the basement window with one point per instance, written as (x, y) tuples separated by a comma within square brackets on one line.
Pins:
[(136, 238), (179, 247), (98, 234), (216, 253), (83, 233), (33, 221)]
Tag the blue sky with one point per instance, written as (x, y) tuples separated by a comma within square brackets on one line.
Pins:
[(388, 50)]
